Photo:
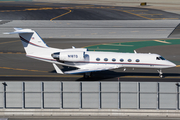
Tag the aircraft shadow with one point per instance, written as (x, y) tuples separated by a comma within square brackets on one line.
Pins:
[(122, 76), (110, 75)]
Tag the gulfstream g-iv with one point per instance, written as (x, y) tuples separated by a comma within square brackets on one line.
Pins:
[(87, 61)]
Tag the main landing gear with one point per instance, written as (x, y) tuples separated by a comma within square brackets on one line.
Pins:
[(87, 75), (160, 73)]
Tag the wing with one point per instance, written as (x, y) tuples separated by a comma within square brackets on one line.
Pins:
[(81, 71), (85, 70), (94, 69)]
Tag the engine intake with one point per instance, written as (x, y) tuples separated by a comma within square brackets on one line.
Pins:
[(55, 55)]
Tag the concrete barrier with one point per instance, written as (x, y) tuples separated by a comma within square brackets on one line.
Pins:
[(87, 112)]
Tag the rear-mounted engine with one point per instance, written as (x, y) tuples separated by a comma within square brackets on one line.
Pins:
[(69, 56)]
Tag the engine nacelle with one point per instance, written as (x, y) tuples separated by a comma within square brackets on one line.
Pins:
[(69, 56)]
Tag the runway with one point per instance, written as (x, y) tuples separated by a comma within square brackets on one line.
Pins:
[(62, 11), (66, 25), (84, 25), (16, 66)]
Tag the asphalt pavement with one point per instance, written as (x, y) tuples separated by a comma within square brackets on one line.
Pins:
[(15, 66), (92, 24), (50, 21), (64, 11)]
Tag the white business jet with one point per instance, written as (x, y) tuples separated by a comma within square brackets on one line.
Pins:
[(87, 61)]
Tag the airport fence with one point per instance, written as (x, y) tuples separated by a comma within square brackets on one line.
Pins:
[(89, 95)]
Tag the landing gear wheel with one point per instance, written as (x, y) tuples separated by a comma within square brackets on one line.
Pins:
[(161, 76), (87, 75), (160, 73)]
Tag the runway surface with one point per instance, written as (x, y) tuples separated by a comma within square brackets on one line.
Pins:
[(94, 29), (55, 24), (62, 11), (16, 66), (137, 25)]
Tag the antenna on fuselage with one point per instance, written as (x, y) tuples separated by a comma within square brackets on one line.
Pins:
[(135, 51)]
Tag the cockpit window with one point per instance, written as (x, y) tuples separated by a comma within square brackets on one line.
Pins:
[(160, 58), (157, 58)]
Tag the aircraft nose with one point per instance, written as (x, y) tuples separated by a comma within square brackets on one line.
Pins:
[(173, 65)]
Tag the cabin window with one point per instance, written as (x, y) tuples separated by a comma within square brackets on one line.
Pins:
[(97, 59), (129, 60), (121, 60), (113, 59), (137, 60), (105, 59)]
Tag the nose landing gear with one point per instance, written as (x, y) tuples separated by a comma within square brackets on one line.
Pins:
[(160, 73)]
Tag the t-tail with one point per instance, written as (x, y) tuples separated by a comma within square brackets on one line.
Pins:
[(31, 41)]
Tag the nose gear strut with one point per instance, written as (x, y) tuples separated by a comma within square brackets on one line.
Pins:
[(160, 73)]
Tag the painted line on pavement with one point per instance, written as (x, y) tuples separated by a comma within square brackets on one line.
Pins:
[(126, 11), (142, 15), (80, 76), (58, 75), (162, 41), (12, 53), (117, 44), (10, 42), (101, 49), (20, 69), (61, 15)]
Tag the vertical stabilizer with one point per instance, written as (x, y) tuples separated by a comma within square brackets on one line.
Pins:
[(31, 41)]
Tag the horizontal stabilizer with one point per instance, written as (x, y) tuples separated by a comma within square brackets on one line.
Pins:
[(20, 30), (31, 41)]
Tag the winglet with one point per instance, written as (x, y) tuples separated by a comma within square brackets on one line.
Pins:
[(59, 71)]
